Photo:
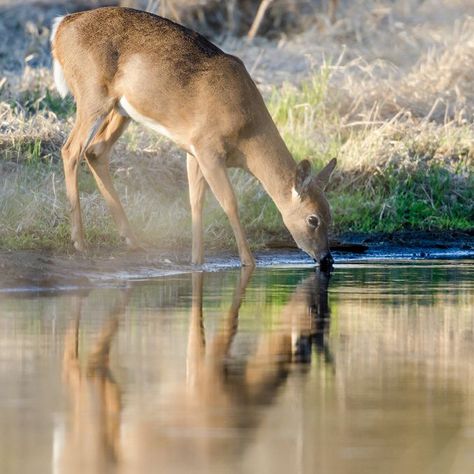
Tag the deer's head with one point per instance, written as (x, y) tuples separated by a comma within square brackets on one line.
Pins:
[(308, 216)]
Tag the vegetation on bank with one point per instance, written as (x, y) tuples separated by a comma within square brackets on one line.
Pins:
[(404, 143), (398, 175)]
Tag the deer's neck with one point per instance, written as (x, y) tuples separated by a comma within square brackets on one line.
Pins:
[(270, 161)]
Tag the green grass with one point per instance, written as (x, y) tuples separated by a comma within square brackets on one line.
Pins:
[(406, 176), (431, 197), (399, 175), (38, 98)]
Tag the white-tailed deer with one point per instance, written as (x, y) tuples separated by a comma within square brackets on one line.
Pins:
[(123, 64)]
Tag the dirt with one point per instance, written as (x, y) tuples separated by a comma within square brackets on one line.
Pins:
[(33, 271), (43, 270)]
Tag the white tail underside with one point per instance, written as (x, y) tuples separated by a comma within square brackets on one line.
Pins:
[(59, 78)]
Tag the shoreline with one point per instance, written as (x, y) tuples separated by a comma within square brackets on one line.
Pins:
[(44, 270)]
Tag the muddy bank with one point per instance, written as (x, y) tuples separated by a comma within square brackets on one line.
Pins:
[(361, 241), (43, 270), (441, 240), (47, 271)]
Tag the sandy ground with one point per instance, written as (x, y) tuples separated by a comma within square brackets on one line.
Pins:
[(46, 271)]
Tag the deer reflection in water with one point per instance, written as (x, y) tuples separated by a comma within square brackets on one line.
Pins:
[(221, 397), (92, 443)]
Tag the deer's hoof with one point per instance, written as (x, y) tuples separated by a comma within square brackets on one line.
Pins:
[(80, 245), (133, 245), (248, 262)]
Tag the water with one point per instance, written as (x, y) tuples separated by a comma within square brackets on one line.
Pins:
[(277, 371)]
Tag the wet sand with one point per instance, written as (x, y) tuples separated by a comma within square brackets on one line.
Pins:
[(47, 271)]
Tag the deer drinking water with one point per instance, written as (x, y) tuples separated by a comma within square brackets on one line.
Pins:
[(122, 64)]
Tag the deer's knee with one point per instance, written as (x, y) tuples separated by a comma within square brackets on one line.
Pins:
[(66, 152), (70, 157)]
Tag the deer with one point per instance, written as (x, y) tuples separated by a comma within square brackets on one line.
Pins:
[(122, 64)]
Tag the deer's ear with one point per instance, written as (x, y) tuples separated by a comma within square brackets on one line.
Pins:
[(322, 178), (302, 174)]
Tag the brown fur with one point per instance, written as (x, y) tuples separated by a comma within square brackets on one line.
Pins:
[(204, 97)]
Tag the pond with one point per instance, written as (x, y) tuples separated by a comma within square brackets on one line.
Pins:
[(278, 370)]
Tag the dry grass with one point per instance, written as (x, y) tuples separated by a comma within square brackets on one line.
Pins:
[(387, 89)]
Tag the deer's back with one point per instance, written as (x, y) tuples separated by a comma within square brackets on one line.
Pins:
[(177, 75)]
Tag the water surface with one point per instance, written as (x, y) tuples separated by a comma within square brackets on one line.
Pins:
[(282, 370)]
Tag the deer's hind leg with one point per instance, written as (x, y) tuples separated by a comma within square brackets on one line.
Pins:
[(97, 156), (84, 129)]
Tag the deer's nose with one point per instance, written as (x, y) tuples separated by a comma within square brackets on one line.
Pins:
[(326, 262)]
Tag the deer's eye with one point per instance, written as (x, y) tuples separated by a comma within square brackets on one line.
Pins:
[(313, 221)]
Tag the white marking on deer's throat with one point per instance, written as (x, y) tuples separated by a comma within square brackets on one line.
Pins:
[(294, 193), (138, 117)]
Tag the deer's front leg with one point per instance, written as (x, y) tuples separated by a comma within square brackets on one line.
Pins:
[(197, 193), (214, 169)]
